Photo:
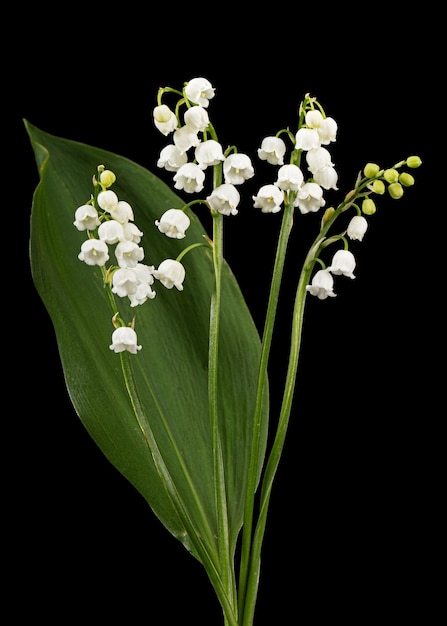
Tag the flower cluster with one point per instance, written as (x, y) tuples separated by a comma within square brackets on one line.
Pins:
[(374, 181), (195, 147), (108, 222)]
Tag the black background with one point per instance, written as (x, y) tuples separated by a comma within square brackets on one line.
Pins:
[(354, 510)]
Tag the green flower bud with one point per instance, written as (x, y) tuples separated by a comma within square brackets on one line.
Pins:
[(396, 190), (391, 175), (368, 206), (378, 187), (328, 214), (107, 178), (406, 179), (371, 169), (414, 161)]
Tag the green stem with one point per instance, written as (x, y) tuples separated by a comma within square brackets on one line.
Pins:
[(244, 572), (202, 551), (225, 556), (283, 422)]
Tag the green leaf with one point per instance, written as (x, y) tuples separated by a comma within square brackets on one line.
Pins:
[(171, 368)]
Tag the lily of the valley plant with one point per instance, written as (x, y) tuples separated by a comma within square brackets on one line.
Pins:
[(161, 357)]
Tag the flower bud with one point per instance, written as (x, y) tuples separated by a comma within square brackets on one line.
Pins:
[(368, 206), (378, 187), (371, 169), (327, 215), (396, 190), (413, 161), (406, 179), (107, 178), (391, 175)]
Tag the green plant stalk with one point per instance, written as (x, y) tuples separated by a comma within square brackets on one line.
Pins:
[(245, 562), (213, 573), (210, 561), (283, 422), (225, 556)]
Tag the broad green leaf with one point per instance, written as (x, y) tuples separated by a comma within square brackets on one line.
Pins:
[(171, 368)]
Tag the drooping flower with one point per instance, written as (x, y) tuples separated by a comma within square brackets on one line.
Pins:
[(357, 227), (290, 177), (122, 212), (190, 178), (170, 273), (124, 282), (326, 127), (200, 91), (144, 289), (309, 198), (307, 139), (124, 338), (171, 158), (196, 118), (86, 217), (326, 177), (173, 223), (208, 153), (128, 253), (224, 199), (185, 138), (107, 200), (322, 285), (318, 158), (272, 150), (164, 119), (343, 262), (269, 199), (237, 168), (132, 232), (111, 232), (94, 252)]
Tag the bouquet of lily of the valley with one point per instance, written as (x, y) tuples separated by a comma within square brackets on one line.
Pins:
[(162, 360)]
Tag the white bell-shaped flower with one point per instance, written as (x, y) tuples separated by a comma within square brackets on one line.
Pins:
[(144, 291), (196, 118), (164, 119), (326, 127), (173, 223), (200, 91), (185, 138), (171, 274), (357, 227), (132, 232), (124, 282), (208, 153), (107, 200), (322, 285), (343, 262), (124, 338), (309, 198), (272, 150), (327, 178), (94, 252), (269, 199), (128, 253), (111, 232), (237, 168), (224, 199), (307, 139), (86, 217), (318, 158), (190, 178), (171, 158), (290, 177)]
